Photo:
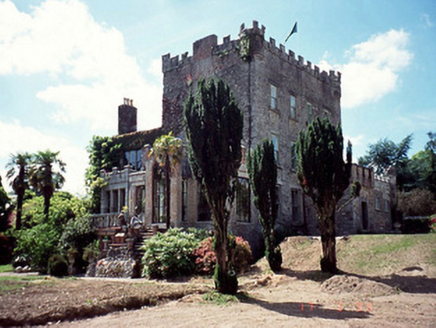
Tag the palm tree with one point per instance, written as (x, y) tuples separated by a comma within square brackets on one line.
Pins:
[(18, 175), (167, 151), (44, 177)]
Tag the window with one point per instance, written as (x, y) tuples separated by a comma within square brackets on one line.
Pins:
[(114, 205), (293, 156), (377, 204), (108, 197), (184, 200), (387, 206), (138, 159), (309, 109), (295, 201), (204, 213), (159, 208), (273, 97), (293, 112), (139, 199), (243, 200), (275, 141), (133, 158)]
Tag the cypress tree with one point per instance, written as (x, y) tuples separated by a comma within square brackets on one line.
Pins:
[(324, 176), (213, 125), (262, 169)]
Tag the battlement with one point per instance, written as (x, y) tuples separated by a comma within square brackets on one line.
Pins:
[(209, 46)]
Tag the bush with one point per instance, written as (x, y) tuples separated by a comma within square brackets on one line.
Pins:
[(416, 225), (91, 252), (205, 259), (170, 254), (37, 245), (78, 234), (418, 202), (57, 266)]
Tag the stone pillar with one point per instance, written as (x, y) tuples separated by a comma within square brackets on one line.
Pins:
[(176, 196), (148, 164)]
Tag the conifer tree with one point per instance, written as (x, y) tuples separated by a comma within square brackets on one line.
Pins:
[(262, 169), (324, 176), (213, 124)]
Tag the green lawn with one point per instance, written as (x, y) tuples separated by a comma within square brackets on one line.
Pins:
[(6, 268), (373, 254)]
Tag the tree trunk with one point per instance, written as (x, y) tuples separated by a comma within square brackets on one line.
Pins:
[(273, 255), (46, 206), (225, 277), (167, 190), (20, 197), (328, 234)]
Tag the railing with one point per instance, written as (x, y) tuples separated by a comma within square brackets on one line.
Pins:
[(104, 220)]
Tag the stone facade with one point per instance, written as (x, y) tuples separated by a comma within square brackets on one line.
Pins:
[(279, 95)]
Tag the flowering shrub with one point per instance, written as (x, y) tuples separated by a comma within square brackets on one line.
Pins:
[(170, 254), (205, 259)]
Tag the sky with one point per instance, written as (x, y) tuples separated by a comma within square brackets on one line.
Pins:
[(65, 66)]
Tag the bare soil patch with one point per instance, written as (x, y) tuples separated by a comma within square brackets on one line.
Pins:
[(52, 300), (401, 292)]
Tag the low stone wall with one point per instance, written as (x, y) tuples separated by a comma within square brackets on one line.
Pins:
[(115, 268)]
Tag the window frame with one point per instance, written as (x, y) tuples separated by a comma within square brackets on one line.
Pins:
[(309, 110), (293, 107), (273, 97)]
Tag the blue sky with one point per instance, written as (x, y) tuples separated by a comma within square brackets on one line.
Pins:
[(65, 66)]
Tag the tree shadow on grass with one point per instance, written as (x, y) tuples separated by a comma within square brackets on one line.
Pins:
[(307, 310)]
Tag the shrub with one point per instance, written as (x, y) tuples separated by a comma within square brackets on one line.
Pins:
[(91, 252), (37, 245), (77, 235), (205, 259), (57, 266), (170, 254)]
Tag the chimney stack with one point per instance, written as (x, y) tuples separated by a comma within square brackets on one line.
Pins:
[(127, 114)]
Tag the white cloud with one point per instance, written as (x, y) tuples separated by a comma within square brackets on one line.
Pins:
[(31, 140), (373, 67), (92, 69)]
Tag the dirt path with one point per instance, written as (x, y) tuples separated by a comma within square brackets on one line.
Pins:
[(283, 302)]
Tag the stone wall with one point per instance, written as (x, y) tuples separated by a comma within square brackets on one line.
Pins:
[(250, 65)]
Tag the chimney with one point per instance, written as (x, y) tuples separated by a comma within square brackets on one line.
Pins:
[(127, 117)]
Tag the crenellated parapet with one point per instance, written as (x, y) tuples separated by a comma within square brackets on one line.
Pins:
[(209, 46)]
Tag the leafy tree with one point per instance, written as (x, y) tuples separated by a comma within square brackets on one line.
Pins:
[(40, 238), (324, 176), (168, 151), (262, 169), (418, 202), (104, 154), (6, 208), (214, 125), (46, 175), (18, 173)]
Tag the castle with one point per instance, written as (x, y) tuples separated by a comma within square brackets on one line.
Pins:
[(279, 94)]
